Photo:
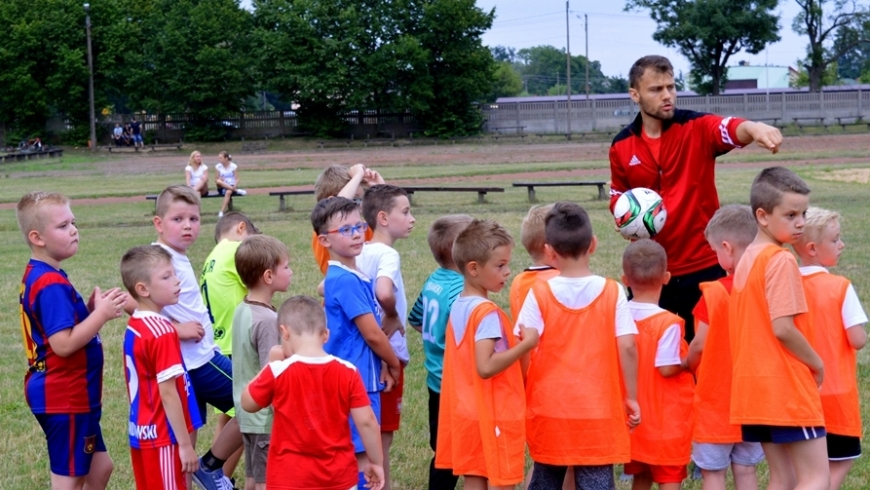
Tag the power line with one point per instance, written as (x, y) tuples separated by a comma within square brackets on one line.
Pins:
[(529, 17)]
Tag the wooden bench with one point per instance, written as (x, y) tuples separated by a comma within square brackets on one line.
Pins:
[(800, 126), (165, 146), (17, 156), (481, 191), (255, 146), (847, 121), (282, 204), (531, 187), (517, 129), (211, 194)]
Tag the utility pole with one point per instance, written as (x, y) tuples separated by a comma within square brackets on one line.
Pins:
[(568, 64), (91, 81), (586, 28)]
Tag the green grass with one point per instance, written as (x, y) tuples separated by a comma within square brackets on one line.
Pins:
[(109, 230)]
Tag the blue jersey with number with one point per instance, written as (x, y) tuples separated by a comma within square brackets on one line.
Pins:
[(431, 312)]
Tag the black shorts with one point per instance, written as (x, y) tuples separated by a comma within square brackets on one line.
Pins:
[(780, 435), (682, 293), (841, 448)]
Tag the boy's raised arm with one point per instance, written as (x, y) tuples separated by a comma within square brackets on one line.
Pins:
[(107, 307), (356, 172), (172, 405), (490, 363)]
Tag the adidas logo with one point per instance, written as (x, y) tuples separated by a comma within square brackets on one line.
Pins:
[(634, 161)]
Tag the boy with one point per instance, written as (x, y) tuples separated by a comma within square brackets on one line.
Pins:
[(351, 311), (717, 444), (263, 263), (63, 383), (387, 211), (587, 341), (662, 446), (481, 427), (838, 320), (340, 181), (222, 290), (429, 317), (163, 410), (532, 238), (313, 394), (776, 373), (177, 224)]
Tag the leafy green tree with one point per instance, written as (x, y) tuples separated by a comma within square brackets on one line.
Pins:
[(543, 67), (709, 32), (507, 82), (853, 41), (829, 77), (820, 27)]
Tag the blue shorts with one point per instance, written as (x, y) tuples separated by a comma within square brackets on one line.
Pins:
[(780, 435), (72, 438), (137, 138), (375, 401), (213, 384)]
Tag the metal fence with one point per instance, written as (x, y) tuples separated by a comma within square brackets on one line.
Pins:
[(612, 113)]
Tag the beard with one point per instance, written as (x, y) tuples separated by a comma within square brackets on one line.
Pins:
[(656, 112)]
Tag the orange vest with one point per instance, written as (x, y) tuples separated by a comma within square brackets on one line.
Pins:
[(321, 254), (664, 436), (481, 431), (712, 409), (769, 385), (522, 284), (825, 296), (575, 413)]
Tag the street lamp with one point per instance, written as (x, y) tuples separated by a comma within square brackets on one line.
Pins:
[(87, 7)]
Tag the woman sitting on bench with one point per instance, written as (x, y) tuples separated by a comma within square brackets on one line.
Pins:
[(196, 173)]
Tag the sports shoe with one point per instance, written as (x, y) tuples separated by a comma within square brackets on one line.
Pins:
[(211, 480), (240, 192)]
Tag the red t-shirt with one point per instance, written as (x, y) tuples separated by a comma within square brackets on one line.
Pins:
[(683, 173), (312, 398), (700, 312)]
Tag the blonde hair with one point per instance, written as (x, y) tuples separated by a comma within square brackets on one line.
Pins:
[(256, 255), (330, 182), (302, 315), (191, 161), (532, 234), (477, 242), (734, 223), (172, 194), (443, 233), (816, 221), (30, 210), (138, 264)]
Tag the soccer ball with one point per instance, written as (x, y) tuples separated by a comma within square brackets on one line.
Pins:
[(640, 213)]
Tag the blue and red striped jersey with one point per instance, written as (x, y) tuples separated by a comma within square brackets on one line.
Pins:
[(152, 355), (53, 384)]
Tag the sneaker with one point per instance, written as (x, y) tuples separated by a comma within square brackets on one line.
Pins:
[(240, 192), (211, 480), (220, 214)]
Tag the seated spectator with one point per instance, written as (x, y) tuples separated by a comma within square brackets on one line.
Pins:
[(127, 136), (117, 134)]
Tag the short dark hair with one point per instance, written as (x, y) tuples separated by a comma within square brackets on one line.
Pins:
[(229, 221), (302, 315), (325, 209), (734, 223), (257, 254), (172, 194), (769, 186), (568, 230), (443, 233), (658, 63), (644, 263), (138, 263), (377, 198), (477, 242)]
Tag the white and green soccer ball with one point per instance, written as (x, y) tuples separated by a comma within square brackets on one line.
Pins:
[(640, 213)]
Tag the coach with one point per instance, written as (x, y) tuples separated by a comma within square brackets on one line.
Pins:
[(673, 151)]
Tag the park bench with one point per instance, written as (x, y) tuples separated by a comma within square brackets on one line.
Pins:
[(282, 204), (774, 121), (151, 147), (531, 187), (211, 194), (254, 146), (481, 191), (846, 121), (820, 120), (17, 156)]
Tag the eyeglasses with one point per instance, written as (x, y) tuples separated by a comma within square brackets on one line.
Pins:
[(349, 230)]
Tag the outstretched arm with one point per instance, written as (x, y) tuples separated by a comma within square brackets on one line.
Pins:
[(765, 136)]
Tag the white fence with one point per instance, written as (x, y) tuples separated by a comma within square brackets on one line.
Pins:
[(611, 114)]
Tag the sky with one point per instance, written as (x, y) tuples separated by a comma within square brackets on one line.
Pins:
[(616, 38)]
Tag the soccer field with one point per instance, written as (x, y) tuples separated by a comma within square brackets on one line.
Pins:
[(112, 216)]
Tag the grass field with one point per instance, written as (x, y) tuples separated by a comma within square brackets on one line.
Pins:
[(107, 230)]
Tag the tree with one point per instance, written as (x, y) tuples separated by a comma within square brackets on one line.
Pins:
[(709, 32), (507, 82), (829, 77), (543, 67), (819, 28), (855, 59)]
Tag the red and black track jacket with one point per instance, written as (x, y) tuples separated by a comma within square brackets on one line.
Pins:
[(684, 176)]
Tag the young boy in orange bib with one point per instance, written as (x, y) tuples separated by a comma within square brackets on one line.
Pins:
[(718, 444), (481, 425), (575, 396), (532, 238), (662, 446), (838, 319), (777, 374)]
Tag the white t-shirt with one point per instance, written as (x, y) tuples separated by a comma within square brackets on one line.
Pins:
[(668, 348), (489, 328), (196, 175), (380, 260), (227, 174), (575, 293), (190, 308), (852, 312)]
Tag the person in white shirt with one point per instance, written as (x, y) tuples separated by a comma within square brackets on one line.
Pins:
[(196, 174), (227, 180)]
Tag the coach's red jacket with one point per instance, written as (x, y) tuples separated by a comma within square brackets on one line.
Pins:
[(684, 176)]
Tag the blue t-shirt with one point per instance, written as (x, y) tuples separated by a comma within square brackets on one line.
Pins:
[(431, 311), (347, 295)]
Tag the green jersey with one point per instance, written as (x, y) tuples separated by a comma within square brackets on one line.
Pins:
[(222, 290), (431, 312)]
